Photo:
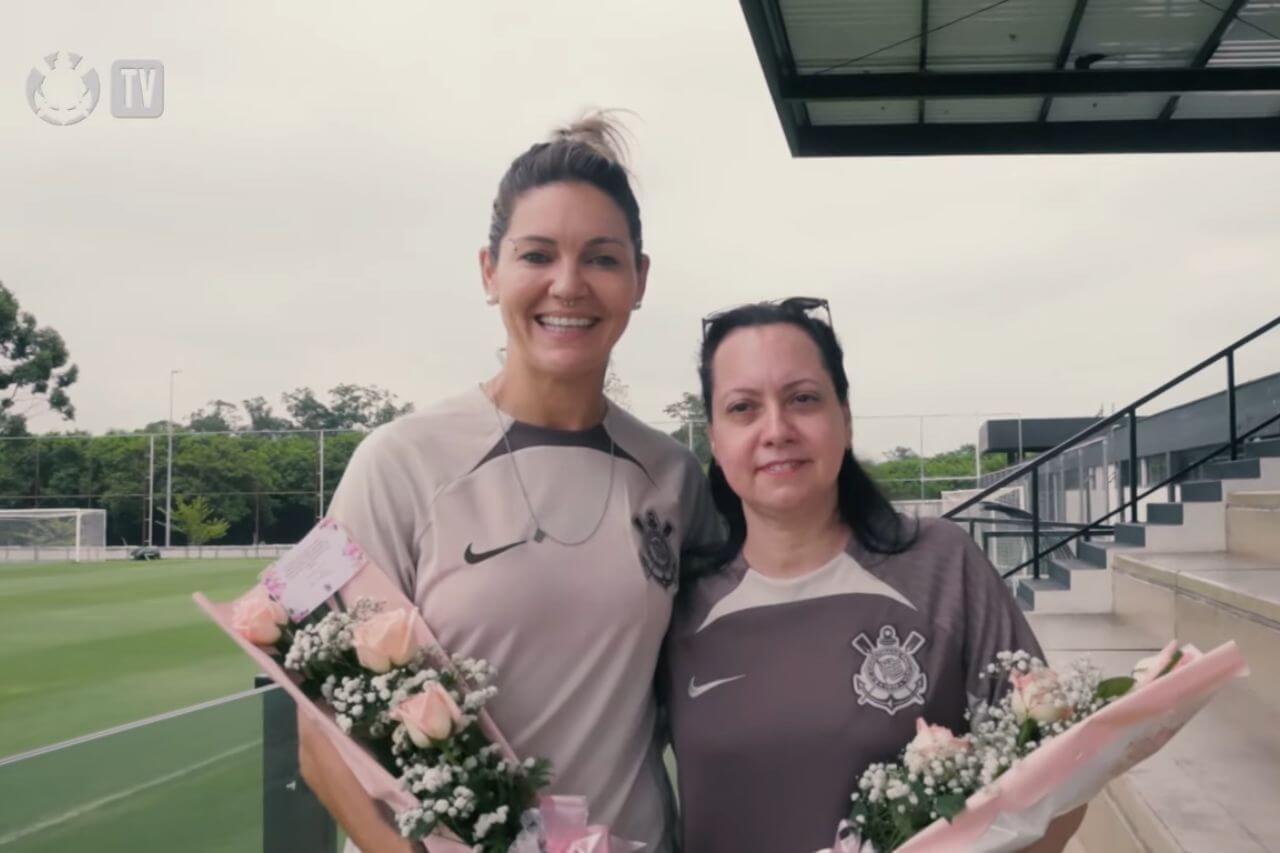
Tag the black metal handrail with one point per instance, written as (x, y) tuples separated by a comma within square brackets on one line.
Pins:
[(1095, 526), (1130, 412), (1069, 525)]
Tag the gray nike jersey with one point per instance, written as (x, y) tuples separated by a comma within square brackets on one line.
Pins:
[(574, 632), (781, 692)]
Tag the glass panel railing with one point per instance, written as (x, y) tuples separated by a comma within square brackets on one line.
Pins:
[(1112, 484), (1069, 491), (191, 780)]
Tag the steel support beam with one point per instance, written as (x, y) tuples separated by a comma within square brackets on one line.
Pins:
[(771, 44), (998, 84), (1206, 51), (1085, 137), (924, 54), (1064, 51)]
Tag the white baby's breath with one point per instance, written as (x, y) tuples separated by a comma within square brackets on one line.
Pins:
[(464, 781), (933, 768)]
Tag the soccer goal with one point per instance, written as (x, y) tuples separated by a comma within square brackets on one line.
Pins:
[(53, 534)]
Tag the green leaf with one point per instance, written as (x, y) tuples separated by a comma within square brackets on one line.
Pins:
[(949, 805), (902, 822), (1030, 731), (1173, 661), (1113, 688)]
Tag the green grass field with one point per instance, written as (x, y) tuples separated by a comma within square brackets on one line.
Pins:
[(193, 782), (85, 647)]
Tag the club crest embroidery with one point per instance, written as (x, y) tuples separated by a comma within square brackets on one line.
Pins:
[(890, 678), (656, 554)]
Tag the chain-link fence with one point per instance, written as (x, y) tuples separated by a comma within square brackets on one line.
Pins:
[(271, 486), (268, 486)]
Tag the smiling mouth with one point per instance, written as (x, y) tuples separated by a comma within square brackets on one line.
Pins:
[(565, 324), (786, 466)]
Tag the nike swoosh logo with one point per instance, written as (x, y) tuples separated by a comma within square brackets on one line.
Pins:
[(472, 557), (696, 690)]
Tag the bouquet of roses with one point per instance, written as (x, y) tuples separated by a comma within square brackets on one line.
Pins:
[(1047, 747), (408, 719), (416, 714)]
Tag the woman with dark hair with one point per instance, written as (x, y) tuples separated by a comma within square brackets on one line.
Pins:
[(833, 622), (535, 524)]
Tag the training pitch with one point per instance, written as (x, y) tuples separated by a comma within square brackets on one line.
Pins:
[(91, 646)]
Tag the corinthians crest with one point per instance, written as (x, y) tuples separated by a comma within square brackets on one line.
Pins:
[(890, 678), (656, 554), (63, 89)]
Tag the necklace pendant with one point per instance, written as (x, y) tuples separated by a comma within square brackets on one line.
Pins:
[(539, 535)]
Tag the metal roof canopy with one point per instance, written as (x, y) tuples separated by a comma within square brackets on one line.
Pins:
[(912, 77)]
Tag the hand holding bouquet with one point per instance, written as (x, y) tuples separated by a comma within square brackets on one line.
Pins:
[(419, 718), (408, 719), (1047, 747)]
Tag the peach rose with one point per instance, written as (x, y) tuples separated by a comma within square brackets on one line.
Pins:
[(429, 715), (384, 640), (257, 617), (1037, 695), (1146, 670), (932, 743)]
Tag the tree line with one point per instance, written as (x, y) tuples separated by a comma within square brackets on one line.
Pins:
[(247, 472), (264, 475), (266, 486)]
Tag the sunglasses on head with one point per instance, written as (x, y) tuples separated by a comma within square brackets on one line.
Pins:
[(803, 306)]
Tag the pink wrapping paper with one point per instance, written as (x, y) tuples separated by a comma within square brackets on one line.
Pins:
[(380, 784), (1071, 769), (566, 830)]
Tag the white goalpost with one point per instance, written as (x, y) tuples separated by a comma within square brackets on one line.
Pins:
[(79, 535)]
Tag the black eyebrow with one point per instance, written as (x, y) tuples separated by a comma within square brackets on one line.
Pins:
[(594, 241), (755, 392)]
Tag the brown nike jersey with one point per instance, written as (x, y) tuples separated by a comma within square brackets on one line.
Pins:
[(781, 692)]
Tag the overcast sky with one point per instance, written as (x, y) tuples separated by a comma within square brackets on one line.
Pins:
[(307, 210)]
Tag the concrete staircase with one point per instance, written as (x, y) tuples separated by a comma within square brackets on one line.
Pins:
[(1216, 787), (1081, 582)]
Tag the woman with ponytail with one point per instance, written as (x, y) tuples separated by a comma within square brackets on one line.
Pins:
[(833, 623), (535, 524)]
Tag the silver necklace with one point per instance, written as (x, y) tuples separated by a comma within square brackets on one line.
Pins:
[(540, 533)]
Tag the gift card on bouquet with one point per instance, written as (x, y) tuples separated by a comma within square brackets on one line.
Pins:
[(313, 570)]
